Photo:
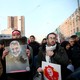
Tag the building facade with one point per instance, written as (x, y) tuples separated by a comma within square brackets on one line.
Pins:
[(71, 25), (17, 22)]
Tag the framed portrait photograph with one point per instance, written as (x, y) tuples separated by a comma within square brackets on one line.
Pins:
[(51, 71), (17, 59)]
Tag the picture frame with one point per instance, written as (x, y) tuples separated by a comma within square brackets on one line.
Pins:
[(51, 71), (16, 59)]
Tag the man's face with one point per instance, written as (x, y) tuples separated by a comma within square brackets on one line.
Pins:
[(51, 39), (32, 39), (44, 41), (15, 48), (50, 72), (16, 34), (67, 46), (1, 46), (71, 41)]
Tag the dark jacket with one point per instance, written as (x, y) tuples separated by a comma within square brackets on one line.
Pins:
[(35, 46), (3, 68), (60, 56), (76, 56), (68, 51)]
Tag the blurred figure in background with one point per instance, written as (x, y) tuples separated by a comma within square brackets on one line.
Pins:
[(75, 49), (67, 47), (3, 76), (44, 40), (35, 46)]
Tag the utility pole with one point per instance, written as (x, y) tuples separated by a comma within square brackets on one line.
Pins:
[(78, 3), (78, 7)]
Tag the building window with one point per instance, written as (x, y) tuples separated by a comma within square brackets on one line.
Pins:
[(73, 15), (12, 22), (74, 30), (76, 12), (77, 29)]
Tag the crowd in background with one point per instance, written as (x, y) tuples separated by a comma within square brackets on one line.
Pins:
[(66, 53)]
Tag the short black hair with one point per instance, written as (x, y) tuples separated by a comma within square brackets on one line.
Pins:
[(51, 33), (74, 36), (32, 36), (44, 38)]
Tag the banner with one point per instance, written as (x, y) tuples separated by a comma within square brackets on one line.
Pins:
[(16, 60), (51, 71)]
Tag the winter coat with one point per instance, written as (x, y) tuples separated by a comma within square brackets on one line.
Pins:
[(60, 56)]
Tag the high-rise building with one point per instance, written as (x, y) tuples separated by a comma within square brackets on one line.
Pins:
[(17, 22)]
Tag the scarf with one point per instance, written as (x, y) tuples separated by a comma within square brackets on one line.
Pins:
[(49, 52), (51, 47)]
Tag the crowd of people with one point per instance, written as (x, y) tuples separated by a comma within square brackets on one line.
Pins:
[(66, 54)]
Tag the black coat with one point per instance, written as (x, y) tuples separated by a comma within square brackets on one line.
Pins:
[(3, 76), (60, 56), (76, 56), (35, 47)]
